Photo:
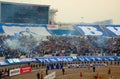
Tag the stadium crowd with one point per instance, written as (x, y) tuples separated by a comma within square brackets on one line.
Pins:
[(58, 46)]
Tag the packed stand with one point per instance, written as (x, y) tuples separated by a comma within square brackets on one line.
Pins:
[(30, 46)]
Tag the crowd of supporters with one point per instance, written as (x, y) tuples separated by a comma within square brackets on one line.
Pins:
[(59, 46)]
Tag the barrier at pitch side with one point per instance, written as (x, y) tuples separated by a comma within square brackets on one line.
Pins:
[(21, 70), (50, 76), (25, 70), (14, 72)]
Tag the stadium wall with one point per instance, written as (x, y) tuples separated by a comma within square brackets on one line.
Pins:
[(24, 13)]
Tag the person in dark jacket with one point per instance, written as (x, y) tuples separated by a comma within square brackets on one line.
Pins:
[(46, 71), (38, 75), (109, 71), (63, 71), (0, 74), (93, 68)]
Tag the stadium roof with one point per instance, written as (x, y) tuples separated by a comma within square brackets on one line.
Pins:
[(24, 3)]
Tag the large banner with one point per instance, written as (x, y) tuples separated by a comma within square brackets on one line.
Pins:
[(3, 63), (92, 30), (13, 61), (19, 60), (12, 29), (97, 30), (113, 30), (47, 30), (95, 58), (57, 59)]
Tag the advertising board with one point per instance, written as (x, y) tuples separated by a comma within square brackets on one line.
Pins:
[(25, 70), (14, 72)]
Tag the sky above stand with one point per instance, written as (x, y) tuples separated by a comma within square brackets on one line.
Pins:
[(88, 11)]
